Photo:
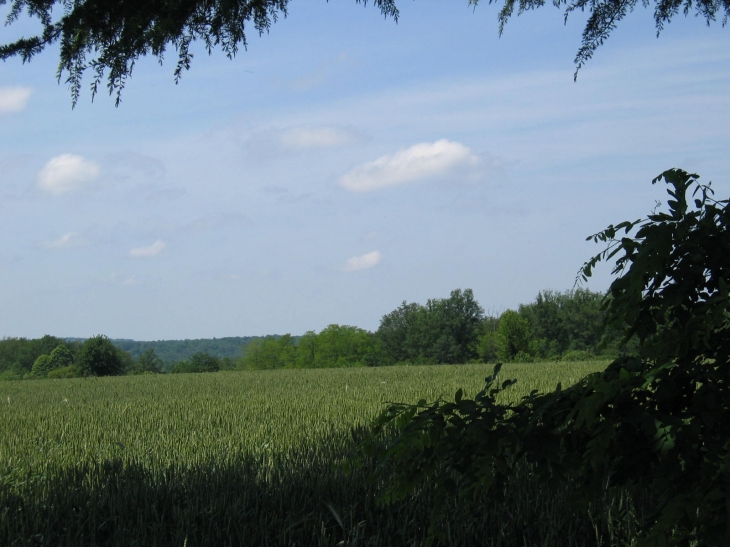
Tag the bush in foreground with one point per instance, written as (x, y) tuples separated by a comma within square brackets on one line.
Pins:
[(657, 421)]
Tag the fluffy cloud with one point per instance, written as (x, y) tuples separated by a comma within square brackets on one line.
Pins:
[(316, 137), (420, 161), (66, 173), (146, 252), (13, 99), (362, 262)]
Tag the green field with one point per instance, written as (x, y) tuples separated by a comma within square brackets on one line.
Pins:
[(243, 458)]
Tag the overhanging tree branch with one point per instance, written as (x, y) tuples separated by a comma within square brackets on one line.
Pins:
[(109, 36)]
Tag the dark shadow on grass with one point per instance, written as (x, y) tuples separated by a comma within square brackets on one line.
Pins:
[(299, 498)]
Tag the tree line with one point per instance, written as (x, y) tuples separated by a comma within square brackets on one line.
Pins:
[(174, 351), (555, 326)]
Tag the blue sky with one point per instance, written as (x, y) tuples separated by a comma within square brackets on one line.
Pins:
[(341, 165)]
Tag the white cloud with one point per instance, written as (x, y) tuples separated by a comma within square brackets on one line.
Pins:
[(363, 262), (420, 161), (66, 173), (66, 240), (145, 252), (316, 137), (13, 99)]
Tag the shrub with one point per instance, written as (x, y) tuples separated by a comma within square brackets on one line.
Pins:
[(64, 372), (522, 357), (576, 355), (41, 367)]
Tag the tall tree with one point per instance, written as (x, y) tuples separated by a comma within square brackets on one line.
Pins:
[(307, 350), (342, 346), (99, 357), (147, 361), (559, 322), (269, 353), (453, 327), (513, 337), (109, 37), (396, 332), (445, 330), (487, 348)]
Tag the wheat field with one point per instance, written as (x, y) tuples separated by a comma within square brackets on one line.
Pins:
[(243, 458)]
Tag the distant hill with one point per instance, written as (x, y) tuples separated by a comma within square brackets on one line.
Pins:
[(172, 351)]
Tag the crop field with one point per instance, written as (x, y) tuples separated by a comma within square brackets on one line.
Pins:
[(249, 458)]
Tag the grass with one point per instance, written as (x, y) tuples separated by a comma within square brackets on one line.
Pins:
[(248, 458)]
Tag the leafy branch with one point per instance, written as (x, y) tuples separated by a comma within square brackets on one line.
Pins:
[(658, 420), (109, 37)]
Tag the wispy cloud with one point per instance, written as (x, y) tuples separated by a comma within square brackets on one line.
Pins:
[(320, 75), (66, 173), (149, 251), (216, 221), (309, 136), (66, 240), (131, 280), (126, 165), (363, 262), (115, 279), (14, 99), (418, 162), (158, 194), (280, 141)]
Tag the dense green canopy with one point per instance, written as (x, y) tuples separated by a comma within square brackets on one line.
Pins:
[(108, 37)]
